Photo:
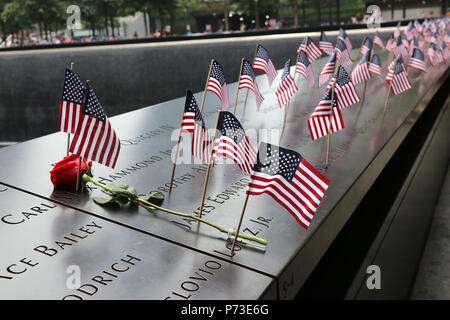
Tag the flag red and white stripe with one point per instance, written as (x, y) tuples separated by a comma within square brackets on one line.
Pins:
[(290, 180), (287, 87), (263, 63), (70, 106), (194, 124), (233, 143), (345, 91), (328, 69), (397, 77), (326, 118), (95, 139), (361, 72)]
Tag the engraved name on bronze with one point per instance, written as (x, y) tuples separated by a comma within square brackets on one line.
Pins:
[(194, 282), (46, 251), (104, 278)]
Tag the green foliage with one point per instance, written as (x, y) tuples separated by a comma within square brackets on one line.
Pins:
[(50, 15)]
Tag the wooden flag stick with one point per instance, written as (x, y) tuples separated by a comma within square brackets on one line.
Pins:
[(206, 86), (387, 97), (78, 176), (174, 163), (287, 104), (329, 132), (79, 161), (68, 133), (239, 83), (239, 224), (256, 83), (246, 97), (205, 185)]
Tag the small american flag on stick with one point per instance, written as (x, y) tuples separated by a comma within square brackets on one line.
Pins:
[(328, 69), (361, 72), (71, 101), (287, 87), (193, 123), (345, 91), (311, 49), (218, 85), (325, 45), (290, 180), (344, 37), (366, 46), (95, 139), (248, 81), (263, 63), (375, 65), (397, 77), (417, 60), (233, 143), (378, 40), (343, 54), (304, 68), (326, 118)]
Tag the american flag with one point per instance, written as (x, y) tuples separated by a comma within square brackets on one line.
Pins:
[(435, 37), (344, 37), (325, 45), (378, 40), (233, 143), (397, 77), (287, 87), (409, 31), (417, 60), (328, 69), (263, 63), (217, 84), (248, 81), (414, 44), (390, 44), (343, 54), (71, 101), (399, 48), (326, 118), (345, 91), (366, 46), (405, 41), (397, 31), (304, 68), (95, 139), (375, 65), (444, 51), (193, 123), (290, 180), (361, 72), (433, 54), (311, 49)]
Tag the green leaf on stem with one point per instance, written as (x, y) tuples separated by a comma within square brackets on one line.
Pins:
[(111, 201), (155, 197), (124, 190)]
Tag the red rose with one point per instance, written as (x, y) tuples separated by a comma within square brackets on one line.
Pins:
[(65, 171)]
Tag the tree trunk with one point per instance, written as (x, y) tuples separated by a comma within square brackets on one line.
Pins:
[(40, 30), (296, 14), (113, 32), (319, 18), (257, 25), (338, 12), (303, 12), (227, 22), (145, 23), (106, 26), (392, 9)]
